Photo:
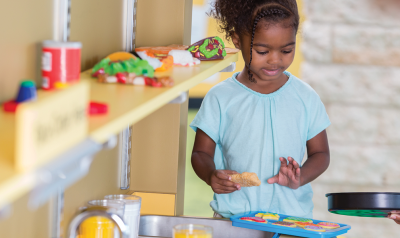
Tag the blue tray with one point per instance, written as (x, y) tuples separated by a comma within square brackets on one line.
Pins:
[(297, 231)]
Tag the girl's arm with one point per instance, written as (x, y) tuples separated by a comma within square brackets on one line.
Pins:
[(203, 165), (318, 158)]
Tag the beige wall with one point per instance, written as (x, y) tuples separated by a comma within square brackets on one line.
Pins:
[(352, 59), (22, 222), (161, 22), (98, 24), (24, 24)]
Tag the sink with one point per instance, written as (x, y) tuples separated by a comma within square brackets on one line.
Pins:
[(161, 226)]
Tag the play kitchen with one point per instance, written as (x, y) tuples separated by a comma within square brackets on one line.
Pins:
[(258, 224)]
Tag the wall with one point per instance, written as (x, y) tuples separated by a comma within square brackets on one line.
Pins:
[(24, 25), (352, 59), (28, 23)]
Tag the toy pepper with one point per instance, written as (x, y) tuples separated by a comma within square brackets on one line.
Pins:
[(99, 67), (210, 48)]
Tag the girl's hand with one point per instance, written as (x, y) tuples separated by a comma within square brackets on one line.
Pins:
[(289, 174), (220, 182), (395, 216)]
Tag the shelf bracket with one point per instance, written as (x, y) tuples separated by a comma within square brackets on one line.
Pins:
[(62, 172), (57, 210), (180, 99), (230, 68), (61, 19), (129, 24), (276, 235), (5, 212), (125, 145), (111, 143)]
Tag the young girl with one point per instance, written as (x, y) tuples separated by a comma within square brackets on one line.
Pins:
[(262, 119)]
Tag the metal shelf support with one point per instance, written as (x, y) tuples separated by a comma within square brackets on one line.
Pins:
[(125, 145), (230, 68), (180, 99), (62, 172)]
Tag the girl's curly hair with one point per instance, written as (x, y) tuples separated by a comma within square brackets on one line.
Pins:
[(239, 15), (242, 16)]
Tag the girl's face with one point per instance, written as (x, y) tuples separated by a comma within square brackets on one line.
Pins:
[(273, 51)]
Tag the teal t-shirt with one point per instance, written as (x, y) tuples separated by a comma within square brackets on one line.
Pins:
[(252, 131)]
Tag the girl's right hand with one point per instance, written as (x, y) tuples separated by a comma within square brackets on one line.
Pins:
[(221, 183)]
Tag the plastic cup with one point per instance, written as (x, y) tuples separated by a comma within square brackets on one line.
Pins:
[(116, 207), (131, 212), (192, 231), (99, 226)]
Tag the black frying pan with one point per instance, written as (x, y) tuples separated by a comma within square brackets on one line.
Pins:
[(363, 204)]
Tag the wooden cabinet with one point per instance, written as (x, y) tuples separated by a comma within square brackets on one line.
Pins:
[(158, 131)]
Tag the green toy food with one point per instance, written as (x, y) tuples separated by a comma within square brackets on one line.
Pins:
[(137, 66), (210, 48), (131, 71)]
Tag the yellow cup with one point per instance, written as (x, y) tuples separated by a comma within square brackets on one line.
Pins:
[(96, 227), (192, 231)]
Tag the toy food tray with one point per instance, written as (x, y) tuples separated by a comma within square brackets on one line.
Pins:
[(294, 231)]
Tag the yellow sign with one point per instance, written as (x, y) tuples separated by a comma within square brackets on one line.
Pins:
[(50, 125)]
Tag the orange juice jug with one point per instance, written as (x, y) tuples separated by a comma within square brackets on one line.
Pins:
[(97, 227)]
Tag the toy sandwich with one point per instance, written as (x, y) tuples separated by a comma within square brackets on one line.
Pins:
[(246, 179)]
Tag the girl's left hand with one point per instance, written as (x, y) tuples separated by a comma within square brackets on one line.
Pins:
[(289, 174)]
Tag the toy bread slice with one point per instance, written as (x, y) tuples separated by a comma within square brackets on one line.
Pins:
[(246, 179), (178, 47), (231, 50), (121, 55)]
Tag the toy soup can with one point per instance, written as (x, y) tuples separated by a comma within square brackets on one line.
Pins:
[(61, 63)]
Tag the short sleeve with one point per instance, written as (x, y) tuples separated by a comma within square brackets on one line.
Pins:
[(318, 118), (209, 116)]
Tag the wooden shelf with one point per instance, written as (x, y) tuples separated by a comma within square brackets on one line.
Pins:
[(127, 105)]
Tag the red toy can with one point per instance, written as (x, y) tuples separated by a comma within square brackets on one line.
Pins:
[(61, 63)]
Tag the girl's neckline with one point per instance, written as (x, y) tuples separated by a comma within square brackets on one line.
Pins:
[(277, 92)]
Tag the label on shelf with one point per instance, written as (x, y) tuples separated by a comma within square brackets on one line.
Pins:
[(52, 124)]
